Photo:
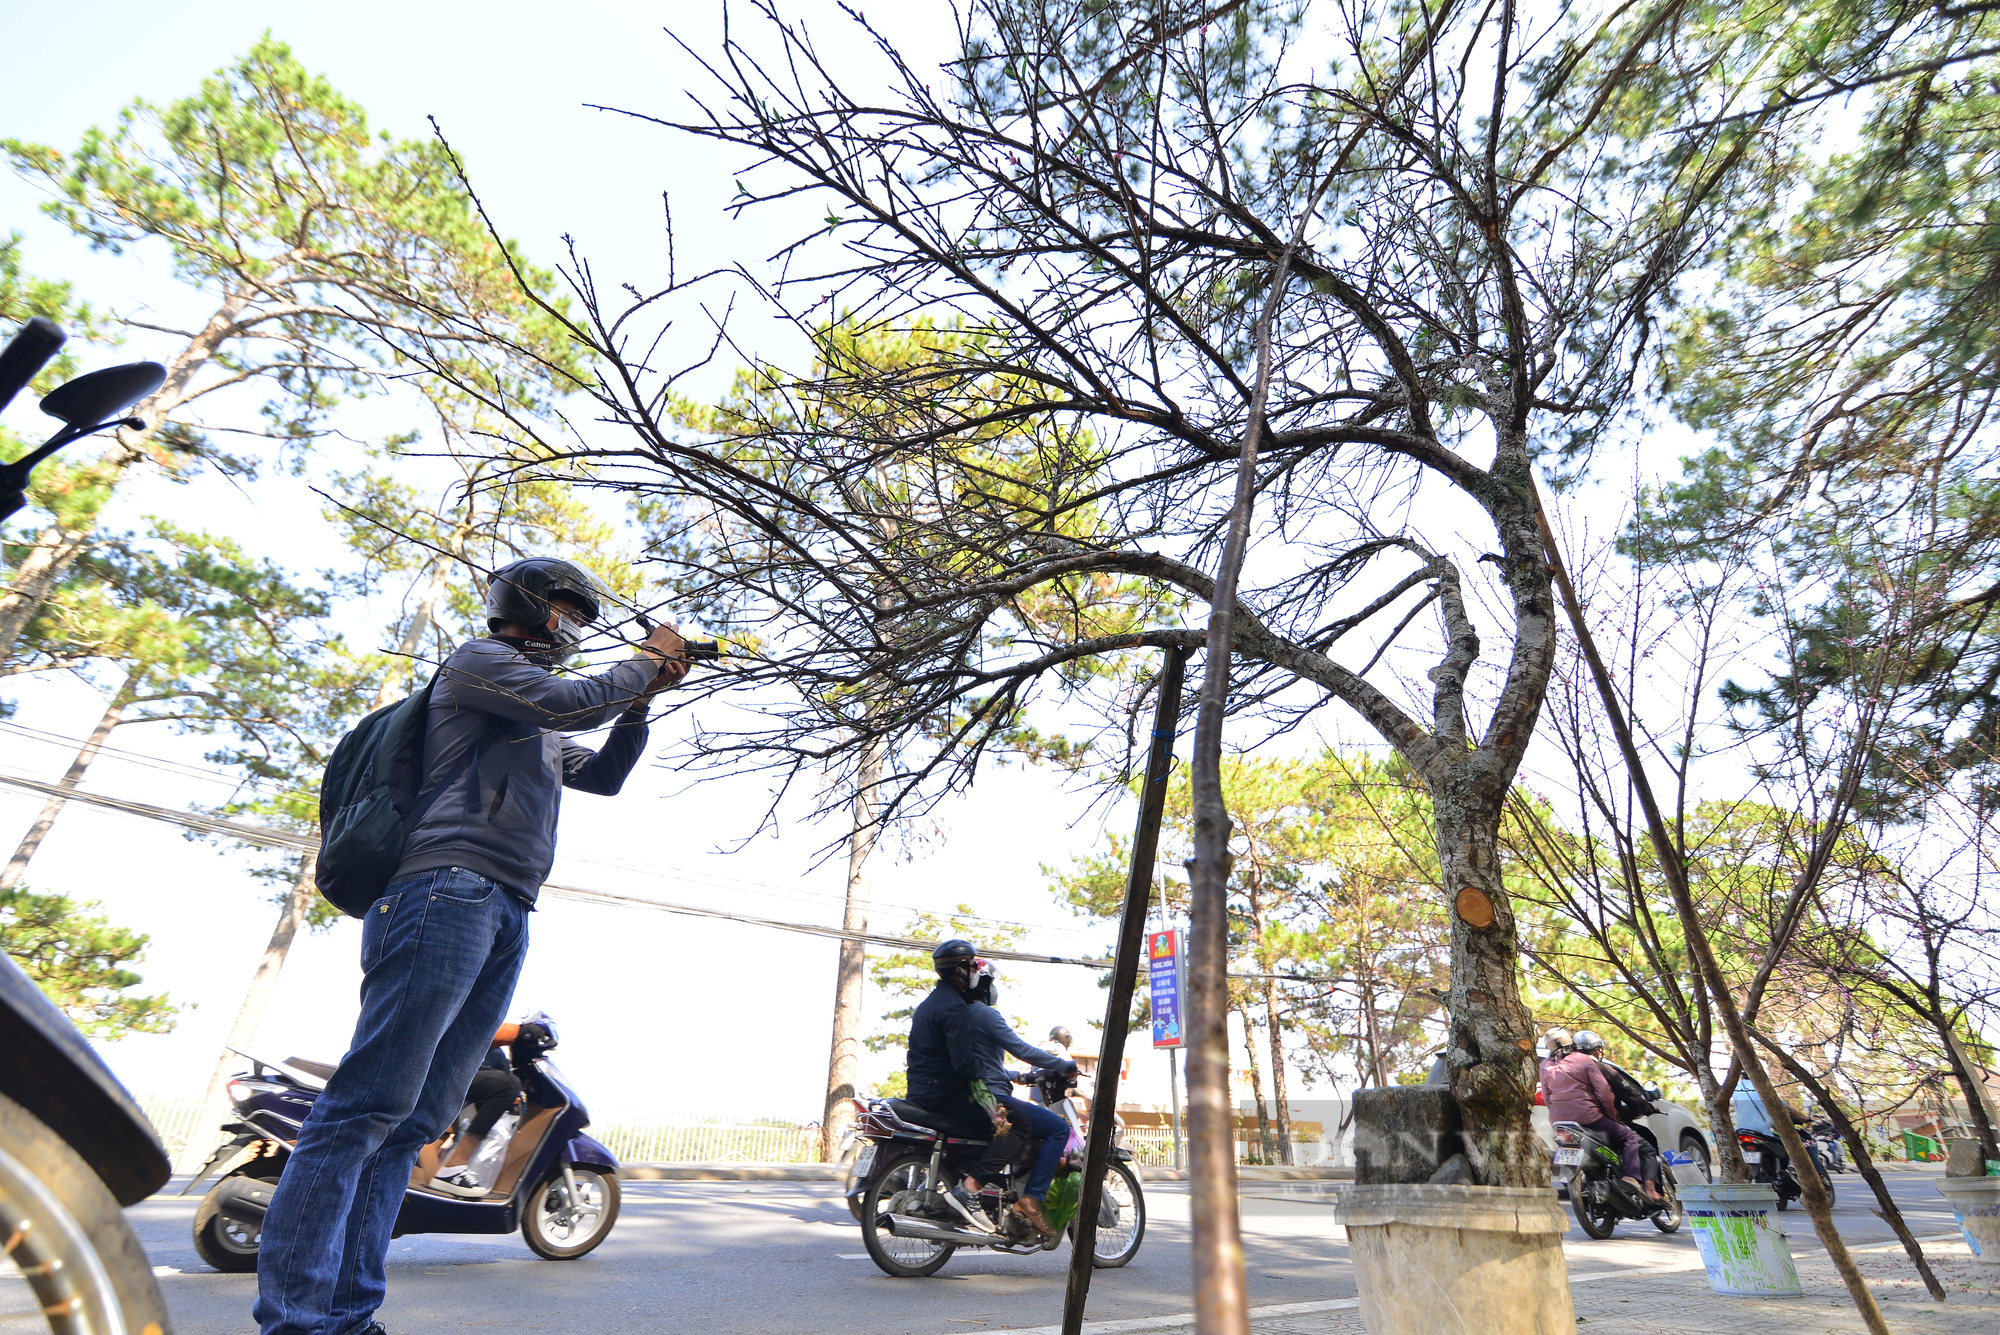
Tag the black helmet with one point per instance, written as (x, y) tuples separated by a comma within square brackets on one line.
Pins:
[(1060, 1034), (520, 593), (953, 955)]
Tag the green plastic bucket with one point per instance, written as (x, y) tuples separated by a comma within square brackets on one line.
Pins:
[(1742, 1247)]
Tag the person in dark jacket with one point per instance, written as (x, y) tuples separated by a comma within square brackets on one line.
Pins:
[(1574, 1087), (442, 947), (992, 1039), (941, 1064)]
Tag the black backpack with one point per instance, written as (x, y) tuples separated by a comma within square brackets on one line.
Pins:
[(367, 801)]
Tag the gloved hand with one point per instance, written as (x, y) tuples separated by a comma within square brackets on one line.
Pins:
[(538, 1035)]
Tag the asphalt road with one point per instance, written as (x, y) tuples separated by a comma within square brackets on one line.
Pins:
[(746, 1258)]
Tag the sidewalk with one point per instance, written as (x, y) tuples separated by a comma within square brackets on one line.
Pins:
[(1679, 1301), (1676, 1300)]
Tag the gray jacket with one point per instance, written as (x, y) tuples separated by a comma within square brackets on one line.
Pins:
[(494, 813), (992, 1036)]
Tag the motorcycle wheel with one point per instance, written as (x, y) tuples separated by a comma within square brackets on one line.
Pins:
[(1826, 1180), (905, 1258), (1117, 1242), (1669, 1219), (1596, 1222), (221, 1241), (558, 1229), (71, 1243)]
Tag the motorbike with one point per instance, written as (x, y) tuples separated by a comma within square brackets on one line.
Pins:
[(1832, 1149), (74, 1147), (542, 1174), (1599, 1194), (900, 1189), (1768, 1163)]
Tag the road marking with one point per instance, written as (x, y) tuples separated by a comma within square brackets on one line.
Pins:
[(161, 1270), (857, 1256)]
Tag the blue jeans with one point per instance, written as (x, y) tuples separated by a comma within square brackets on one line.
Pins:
[(1046, 1125), (440, 952)]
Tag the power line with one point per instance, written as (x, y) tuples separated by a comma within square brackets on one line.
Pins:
[(266, 836)]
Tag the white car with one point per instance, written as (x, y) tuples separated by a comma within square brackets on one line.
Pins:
[(1671, 1128)]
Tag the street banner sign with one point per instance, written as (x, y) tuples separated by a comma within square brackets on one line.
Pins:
[(1166, 966)]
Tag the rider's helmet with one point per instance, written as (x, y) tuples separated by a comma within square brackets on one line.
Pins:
[(953, 957), (1586, 1041), (985, 983), (522, 593), (1555, 1041), (1060, 1035)]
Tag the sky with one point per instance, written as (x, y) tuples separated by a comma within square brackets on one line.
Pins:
[(661, 1015)]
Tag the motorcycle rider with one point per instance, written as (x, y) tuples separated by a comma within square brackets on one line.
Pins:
[(441, 949), (495, 1089), (1633, 1104), (992, 1037), (942, 1063), (1575, 1089)]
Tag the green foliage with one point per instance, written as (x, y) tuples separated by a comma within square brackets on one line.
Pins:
[(1846, 369), (78, 959), (1332, 900)]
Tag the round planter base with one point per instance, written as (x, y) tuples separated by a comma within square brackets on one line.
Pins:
[(1434, 1260), (1976, 1202), (1742, 1248)]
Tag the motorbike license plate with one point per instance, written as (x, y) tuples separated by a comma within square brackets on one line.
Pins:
[(1568, 1158), (1753, 1156), (864, 1160)]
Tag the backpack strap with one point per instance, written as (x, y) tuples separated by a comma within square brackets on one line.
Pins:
[(427, 795)]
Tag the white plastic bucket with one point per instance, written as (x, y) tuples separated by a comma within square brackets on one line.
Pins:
[(1742, 1247), (1976, 1202)]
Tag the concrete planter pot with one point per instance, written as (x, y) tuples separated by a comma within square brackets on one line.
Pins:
[(1438, 1260), (1976, 1202), (1741, 1245)]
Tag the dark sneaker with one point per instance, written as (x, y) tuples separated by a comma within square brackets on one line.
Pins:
[(456, 1182)]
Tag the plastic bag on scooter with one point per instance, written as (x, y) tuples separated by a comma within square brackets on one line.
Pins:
[(1059, 1206)]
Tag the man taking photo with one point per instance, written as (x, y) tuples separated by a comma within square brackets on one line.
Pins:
[(442, 947)]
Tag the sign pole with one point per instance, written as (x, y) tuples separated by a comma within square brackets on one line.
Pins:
[(1174, 1089), (1124, 975)]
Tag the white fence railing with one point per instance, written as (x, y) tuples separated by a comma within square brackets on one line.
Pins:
[(191, 1133), (190, 1136)]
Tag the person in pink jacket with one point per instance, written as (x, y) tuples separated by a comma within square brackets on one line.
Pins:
[(1574, 1087)]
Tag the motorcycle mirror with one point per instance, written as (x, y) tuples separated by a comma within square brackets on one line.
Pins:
[(101, 396)]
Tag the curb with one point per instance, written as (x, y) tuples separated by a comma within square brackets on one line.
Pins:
[(822, 1172)]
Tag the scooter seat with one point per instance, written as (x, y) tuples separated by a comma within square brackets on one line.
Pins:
[(918, 1115)]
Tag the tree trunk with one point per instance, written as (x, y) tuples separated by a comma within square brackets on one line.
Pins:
[(1978, 1103), (250, 1016), (1279, 1099), (1729, 1165), (1707, 968), (395, 684), (1490, 1049), (1279, 1103), (57, 548), (1266, 1146), (844, 1057), (1863, 1161), (113, 716)]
